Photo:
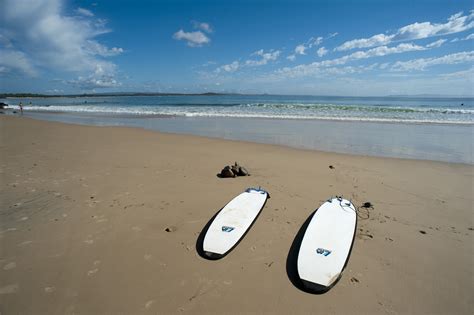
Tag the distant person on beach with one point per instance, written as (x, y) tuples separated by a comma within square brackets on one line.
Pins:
[(21, 108)]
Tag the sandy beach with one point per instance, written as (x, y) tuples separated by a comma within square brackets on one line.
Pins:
[(85, 212)]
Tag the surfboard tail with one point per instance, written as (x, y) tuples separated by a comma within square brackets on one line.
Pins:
[(315, 287), (319, 288), (213, 256)]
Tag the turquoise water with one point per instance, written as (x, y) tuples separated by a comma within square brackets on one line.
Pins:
[(376, 109)]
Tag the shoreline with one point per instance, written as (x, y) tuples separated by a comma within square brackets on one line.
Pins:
[(237, 141), (430, 142), (291, 118), (106, 220)]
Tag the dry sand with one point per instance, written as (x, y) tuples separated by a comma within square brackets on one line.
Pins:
[(84, 212)]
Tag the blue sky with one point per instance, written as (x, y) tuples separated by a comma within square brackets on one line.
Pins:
[(336, 47)]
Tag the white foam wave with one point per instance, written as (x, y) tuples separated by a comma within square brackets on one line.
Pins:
[(232, 112)]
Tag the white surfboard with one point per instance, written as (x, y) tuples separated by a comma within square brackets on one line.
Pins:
[(231, 223), (327, 243)]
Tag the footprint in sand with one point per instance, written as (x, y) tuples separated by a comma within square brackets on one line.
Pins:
[(9, 266), (354, 280), (91, 272), (364, 234)]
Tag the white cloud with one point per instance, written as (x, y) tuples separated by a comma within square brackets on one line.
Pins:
[(436, 44), (41, 35), (374, 52), (376, 40), (333, 35), (315, 41), (463, 74), (318, 70), (16, 61), (300, 49), (456, 23), (468, 37), (321, 51), (317, 67), (384, 50), (96, 48), (231, 67), (84, 12), (101, 78), (265, 57), (203, 26), (422, 63), (193, 39)]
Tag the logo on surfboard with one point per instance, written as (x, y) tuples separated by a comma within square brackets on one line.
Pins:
[(322, 251), (227, 229)]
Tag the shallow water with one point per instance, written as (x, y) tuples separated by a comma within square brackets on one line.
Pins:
[(438, 142)]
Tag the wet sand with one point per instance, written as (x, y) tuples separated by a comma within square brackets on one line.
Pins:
[(84, 213), (452, 143)]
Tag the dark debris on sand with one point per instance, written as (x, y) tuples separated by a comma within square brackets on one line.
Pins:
[(233, 171), (367, 205)]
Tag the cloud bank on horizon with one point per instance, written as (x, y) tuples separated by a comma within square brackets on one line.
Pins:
[(69, 47)]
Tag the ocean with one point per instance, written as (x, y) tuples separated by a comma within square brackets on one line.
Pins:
[(428, 128), (375, 109)]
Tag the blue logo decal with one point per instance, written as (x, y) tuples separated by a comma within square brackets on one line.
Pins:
[(324, 252), (227, 229)]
